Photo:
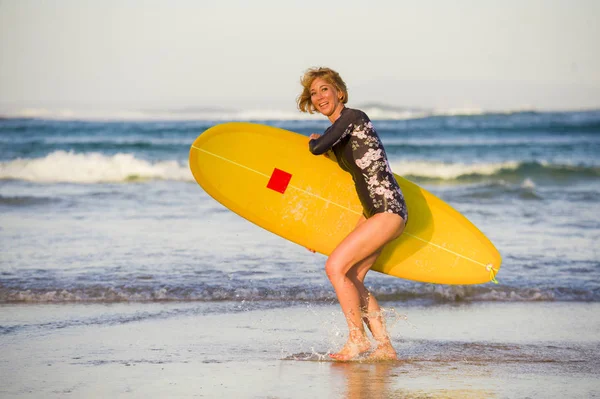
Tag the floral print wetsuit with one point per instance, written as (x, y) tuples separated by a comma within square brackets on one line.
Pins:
[(359, 151)]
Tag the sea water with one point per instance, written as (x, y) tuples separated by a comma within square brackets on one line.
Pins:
[(112, 256), (108, 211)]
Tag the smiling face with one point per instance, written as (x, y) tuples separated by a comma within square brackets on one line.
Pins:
[(326, 98)]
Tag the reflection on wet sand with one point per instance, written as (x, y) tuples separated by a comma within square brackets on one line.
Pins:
[(391, 380)]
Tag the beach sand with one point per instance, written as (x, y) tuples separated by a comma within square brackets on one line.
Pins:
[(252, 350)]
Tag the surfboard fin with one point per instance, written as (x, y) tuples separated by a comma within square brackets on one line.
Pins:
[(493, 272)]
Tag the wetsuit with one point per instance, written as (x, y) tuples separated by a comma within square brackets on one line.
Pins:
[(359, 151)]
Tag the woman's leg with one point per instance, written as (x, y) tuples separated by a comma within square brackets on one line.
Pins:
[(372, 314), (368, 308), (368, 303), (363, 242)]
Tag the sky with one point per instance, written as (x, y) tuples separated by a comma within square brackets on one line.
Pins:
[(239, 54)]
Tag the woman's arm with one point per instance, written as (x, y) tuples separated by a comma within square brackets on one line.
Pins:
[(332, 136)]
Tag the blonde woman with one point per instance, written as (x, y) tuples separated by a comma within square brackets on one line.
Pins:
[(358, 150)]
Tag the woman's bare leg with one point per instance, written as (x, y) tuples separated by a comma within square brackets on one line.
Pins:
[(368, 304), (363, 242), (372, 314)]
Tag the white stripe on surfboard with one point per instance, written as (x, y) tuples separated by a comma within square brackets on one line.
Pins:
[(336, 204)]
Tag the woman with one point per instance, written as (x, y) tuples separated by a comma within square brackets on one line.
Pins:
[(359, 151)]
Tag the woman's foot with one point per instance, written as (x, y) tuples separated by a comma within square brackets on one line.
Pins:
[(384, 352), (351, 350)]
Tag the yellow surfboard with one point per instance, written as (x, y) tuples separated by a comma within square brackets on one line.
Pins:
[(268, 176)]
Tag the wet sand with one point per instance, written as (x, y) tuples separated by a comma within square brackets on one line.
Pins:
[(237, 350)]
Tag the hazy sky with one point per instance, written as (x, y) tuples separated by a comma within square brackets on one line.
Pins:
[(251, 53)]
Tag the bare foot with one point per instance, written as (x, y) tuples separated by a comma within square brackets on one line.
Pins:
[(351, 350), (384, 352)]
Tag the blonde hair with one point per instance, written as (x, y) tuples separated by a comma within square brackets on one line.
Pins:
[(330, 76)]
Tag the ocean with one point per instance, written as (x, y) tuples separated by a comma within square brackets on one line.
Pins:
[(102, 211), (104, 217)]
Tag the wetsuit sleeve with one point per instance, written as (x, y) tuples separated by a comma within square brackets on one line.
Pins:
[(332, 136)]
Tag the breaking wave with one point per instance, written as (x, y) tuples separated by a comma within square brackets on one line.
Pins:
[(504, 171), (71, 167)]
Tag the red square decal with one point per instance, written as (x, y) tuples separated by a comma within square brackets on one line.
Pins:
[(279, 180)]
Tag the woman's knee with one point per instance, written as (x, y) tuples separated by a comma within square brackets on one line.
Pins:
[(335, 268)]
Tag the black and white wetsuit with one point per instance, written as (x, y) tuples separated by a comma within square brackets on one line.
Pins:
[(359, 151)]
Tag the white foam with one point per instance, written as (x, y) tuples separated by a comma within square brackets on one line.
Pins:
[(465, 111), (376, 113), (449, 171), (70, 167), (528, 184), (257, 114)]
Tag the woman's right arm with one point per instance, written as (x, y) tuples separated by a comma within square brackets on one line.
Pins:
[(337, 131)]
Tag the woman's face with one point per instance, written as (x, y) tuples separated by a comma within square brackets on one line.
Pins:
[(325, 97)]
